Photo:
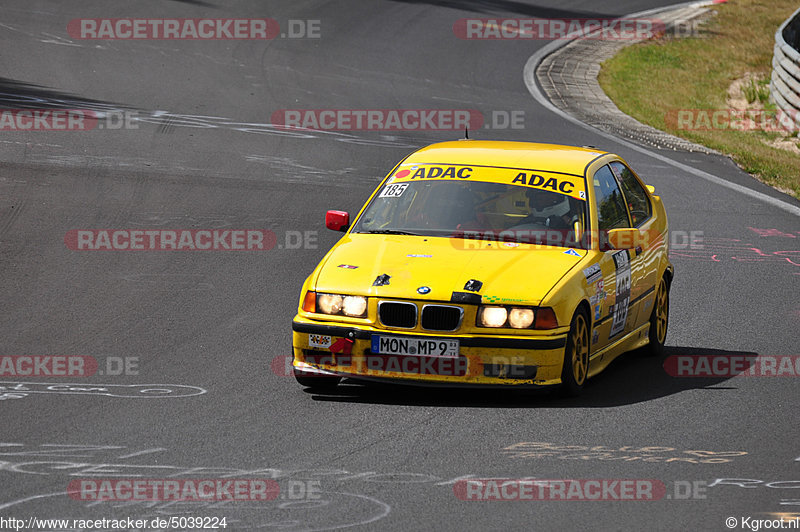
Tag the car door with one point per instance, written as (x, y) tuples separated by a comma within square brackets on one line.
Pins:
[(621, 268), (644, 267)]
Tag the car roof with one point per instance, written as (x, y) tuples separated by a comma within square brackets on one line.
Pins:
[(508, 154)]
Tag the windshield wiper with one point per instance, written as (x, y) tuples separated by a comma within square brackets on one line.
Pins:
[(389, 232)]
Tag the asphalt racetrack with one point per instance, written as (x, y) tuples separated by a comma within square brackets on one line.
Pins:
[(190, 347)]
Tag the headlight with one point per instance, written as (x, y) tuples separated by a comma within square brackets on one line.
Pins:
[(517, 317), (329, 303), (353, 306), (520, 318), (492, 316)]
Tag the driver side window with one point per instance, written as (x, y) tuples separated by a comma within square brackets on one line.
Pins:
[(637, 198), (611, 212)]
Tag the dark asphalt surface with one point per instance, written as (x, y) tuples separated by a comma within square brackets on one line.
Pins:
[(204, 156)]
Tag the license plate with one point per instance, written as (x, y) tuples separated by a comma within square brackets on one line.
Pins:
[(404, 345)]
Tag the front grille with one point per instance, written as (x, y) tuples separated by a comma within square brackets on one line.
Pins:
[(441, 317), (397, 314)]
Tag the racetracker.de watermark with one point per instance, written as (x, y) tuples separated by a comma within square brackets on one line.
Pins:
[(530, 489), (633, 29), (507, 489), (512, 238), (344, 362), (168, 29), (187, 240), (171, 489), (727, 365), (66, 366), (27, 120), (169, 239), (733, 120), (381, 119), (47, 120)]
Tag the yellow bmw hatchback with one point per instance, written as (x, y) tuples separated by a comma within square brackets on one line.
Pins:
[(489, 263)]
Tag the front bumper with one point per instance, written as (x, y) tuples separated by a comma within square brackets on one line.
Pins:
[(346, 350)]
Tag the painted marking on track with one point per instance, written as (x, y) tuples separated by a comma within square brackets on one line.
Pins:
[(138, 391)]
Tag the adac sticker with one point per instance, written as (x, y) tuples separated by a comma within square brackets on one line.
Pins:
[(573, 186), (572, 252), (434, 172), (563, 184)]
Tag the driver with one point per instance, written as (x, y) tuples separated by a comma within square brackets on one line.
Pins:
[(550, 207)]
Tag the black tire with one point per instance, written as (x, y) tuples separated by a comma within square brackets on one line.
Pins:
[(316, 382), (576, 355), (659, 320)]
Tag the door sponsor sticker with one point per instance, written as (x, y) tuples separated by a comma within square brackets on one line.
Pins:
[(623, 292), (592, 273)]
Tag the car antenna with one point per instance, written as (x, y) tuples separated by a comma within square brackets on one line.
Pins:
[(466, 132)]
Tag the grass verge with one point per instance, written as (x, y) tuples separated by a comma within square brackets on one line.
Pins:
[(654, 80)]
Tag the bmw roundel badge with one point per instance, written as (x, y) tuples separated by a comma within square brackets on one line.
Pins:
[(424, 289)]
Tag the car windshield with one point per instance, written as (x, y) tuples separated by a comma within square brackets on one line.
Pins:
[(476, 210)]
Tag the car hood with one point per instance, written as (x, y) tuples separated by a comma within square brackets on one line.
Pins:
[(520, 274)]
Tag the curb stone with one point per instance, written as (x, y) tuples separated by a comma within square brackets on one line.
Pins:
[(568, 78)]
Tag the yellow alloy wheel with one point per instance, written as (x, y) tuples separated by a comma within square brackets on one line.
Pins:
[(576, 355)]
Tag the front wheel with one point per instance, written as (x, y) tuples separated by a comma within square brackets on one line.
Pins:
[(576, 355), (659, 320)]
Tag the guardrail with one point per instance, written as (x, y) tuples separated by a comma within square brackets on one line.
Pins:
[(785, 83)]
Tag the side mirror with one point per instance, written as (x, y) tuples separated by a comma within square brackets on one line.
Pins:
[(651, 188), (626, 238), (337, 220), (577, 227)]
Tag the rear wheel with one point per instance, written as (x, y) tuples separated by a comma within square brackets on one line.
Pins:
[(576, 355), (659, 320)]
